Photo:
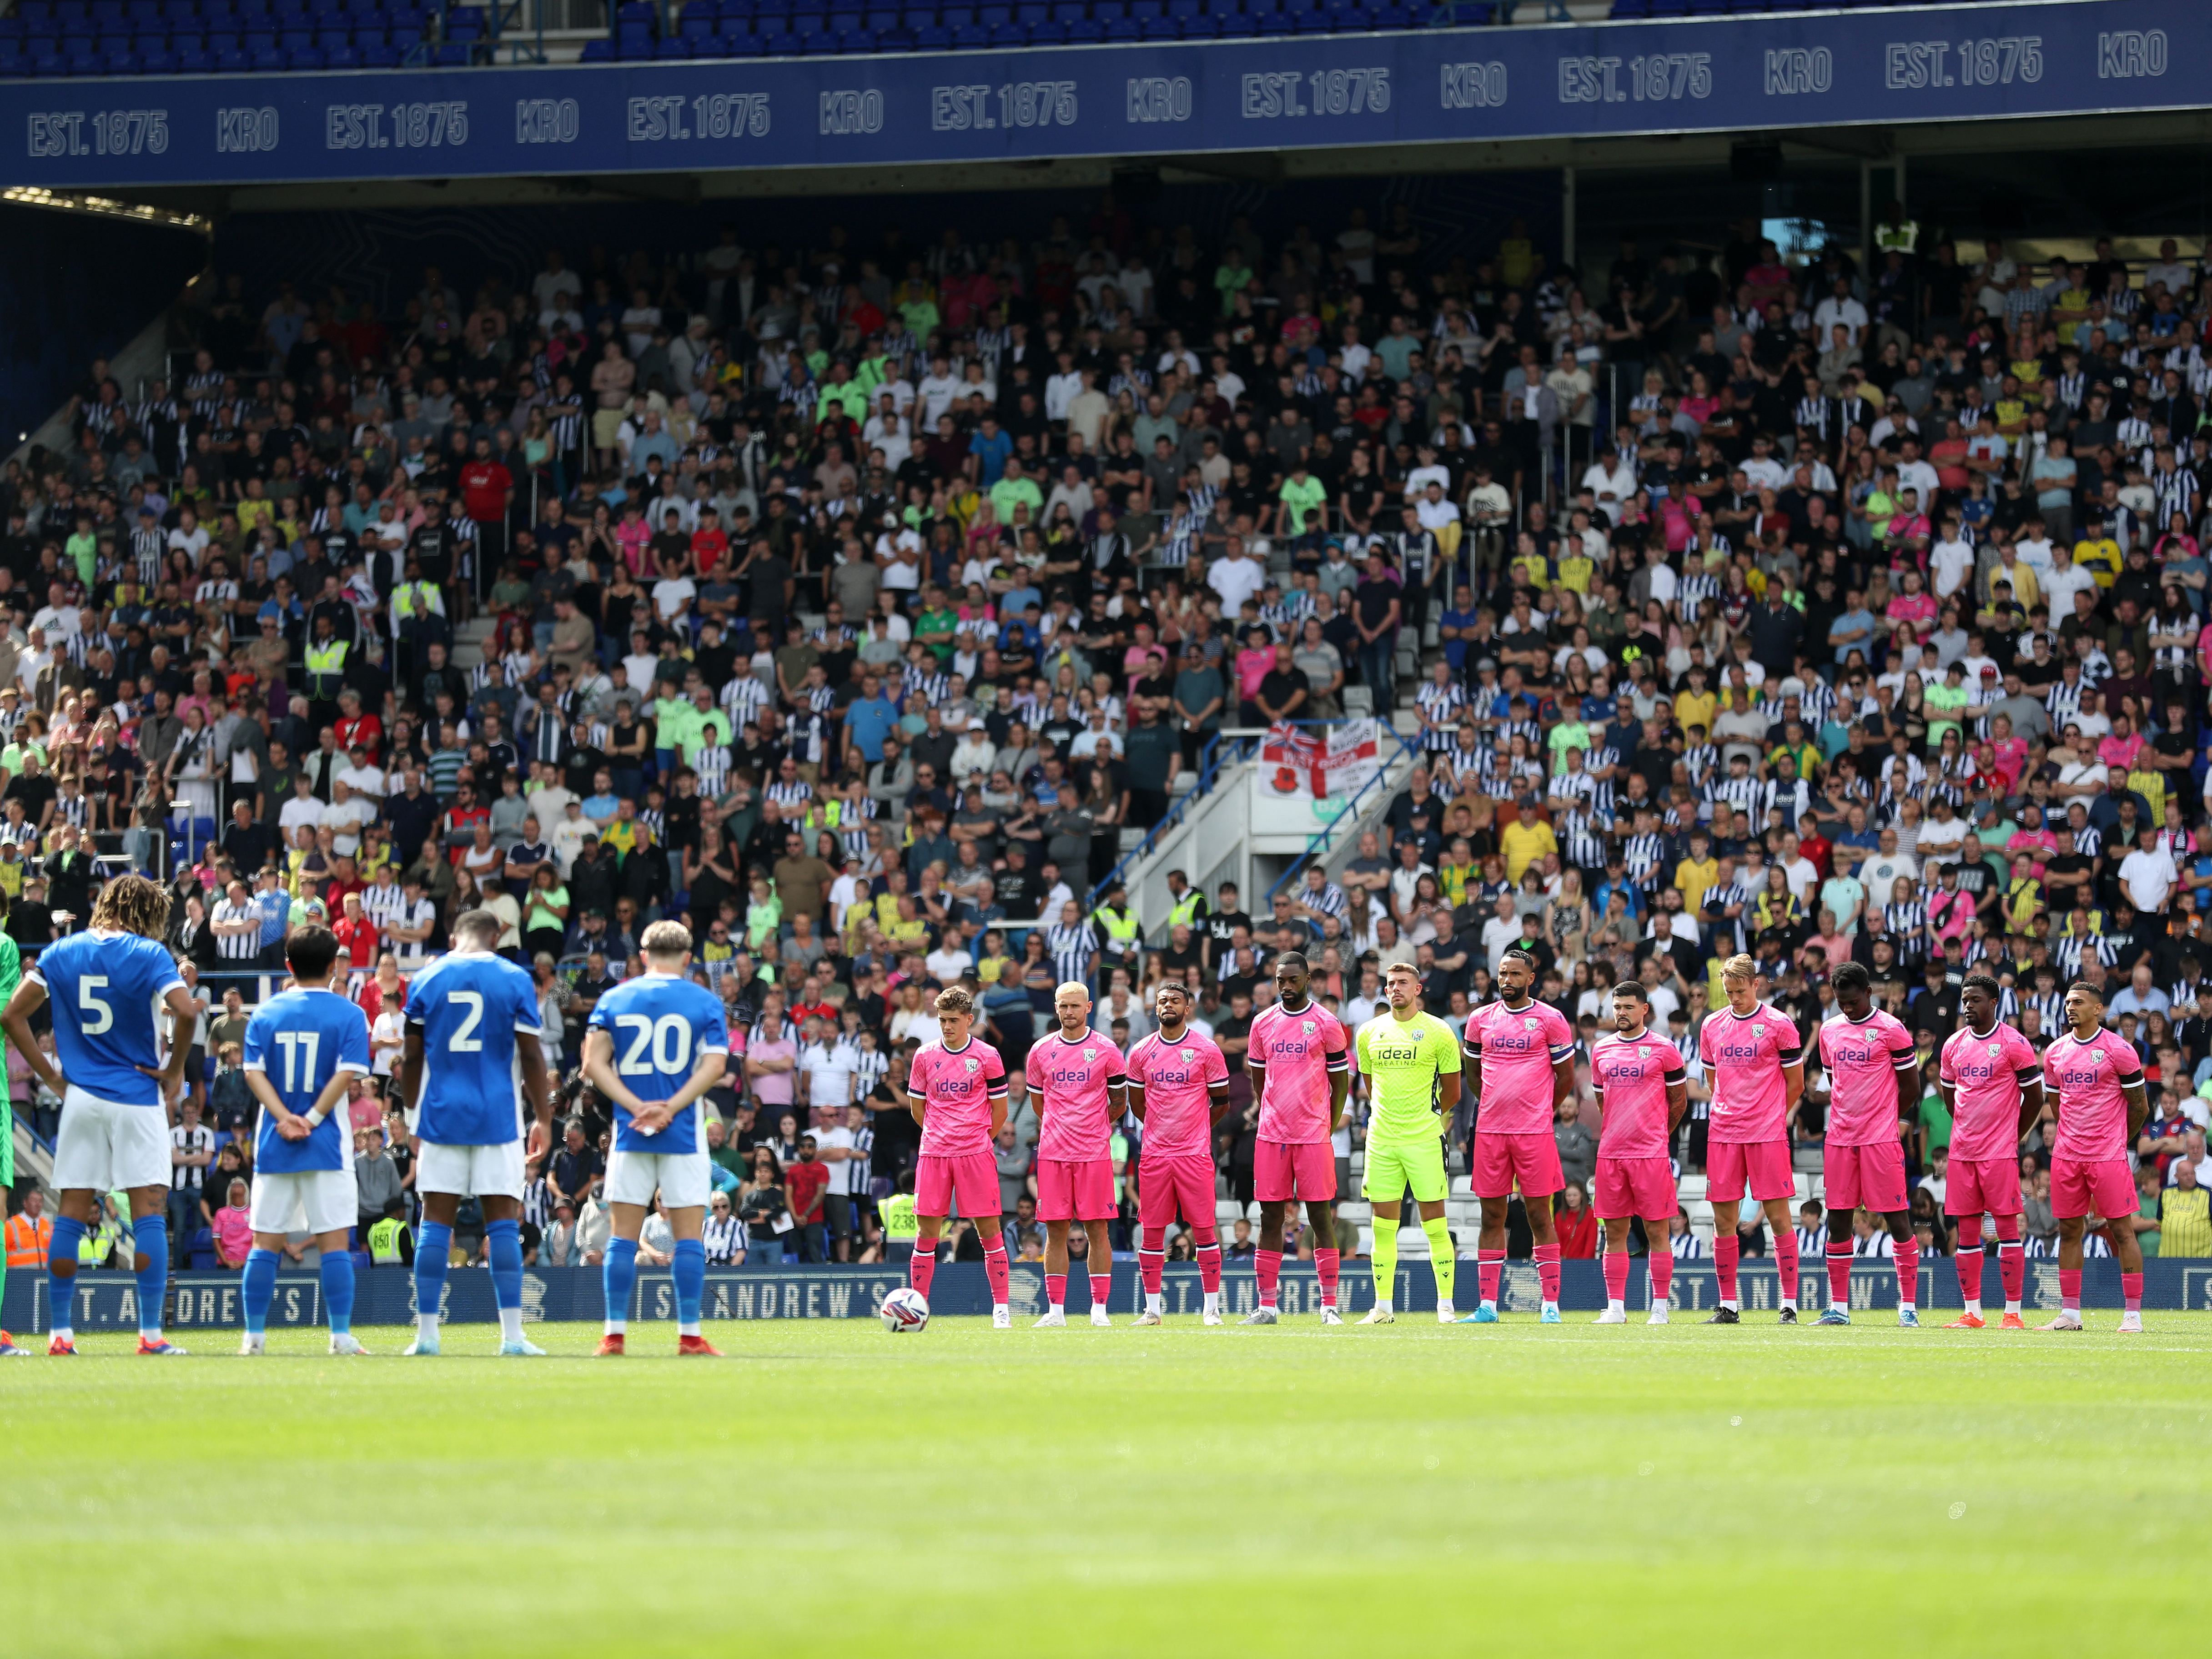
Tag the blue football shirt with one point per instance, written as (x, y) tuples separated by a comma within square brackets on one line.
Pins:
[(299, 1040), (468, 1006), (106, 991), (660, 1024)]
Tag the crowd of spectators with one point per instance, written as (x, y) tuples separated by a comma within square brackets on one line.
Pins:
[(849, 602)]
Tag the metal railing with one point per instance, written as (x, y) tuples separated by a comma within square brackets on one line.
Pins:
[(1215, 758)]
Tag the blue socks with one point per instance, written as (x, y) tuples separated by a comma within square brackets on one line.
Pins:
[(431, 1249), (150, 1233), (621, 1275), (338, 1291), (258, 1284), (61, 1293), (504, 1242), (689, 1269)]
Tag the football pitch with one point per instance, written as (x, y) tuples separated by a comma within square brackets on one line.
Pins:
[(831, 1488)]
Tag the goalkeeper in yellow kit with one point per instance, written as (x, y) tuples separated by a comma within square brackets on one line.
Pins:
[(1410, 1059)]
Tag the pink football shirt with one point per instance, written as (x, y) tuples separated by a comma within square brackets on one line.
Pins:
[(1864, 1059), (957, 1086), (1986, 1070), (1746, 1054), (1176, 1078), (1070, 1081), (1299, 1052), (1517, 1048), (1631, 1075), (2093, 1114)]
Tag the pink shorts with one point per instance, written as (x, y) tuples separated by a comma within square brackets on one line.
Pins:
[(1873, 1175), (1295, 1169), (2106, 1188), (971, 1180), (1973, 1185), (1626, 1187), (1532, 1162), (1075, 1191), (1764, 1164), (1175, 1188)]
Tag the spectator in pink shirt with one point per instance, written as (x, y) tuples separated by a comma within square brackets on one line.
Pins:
[(233, 1228)]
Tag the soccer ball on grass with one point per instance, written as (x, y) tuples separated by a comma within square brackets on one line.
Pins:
[(905, 1309)]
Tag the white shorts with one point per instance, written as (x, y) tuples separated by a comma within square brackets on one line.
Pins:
[(104, 1145), (305, 1200), (683, 1178), (492, 1171)]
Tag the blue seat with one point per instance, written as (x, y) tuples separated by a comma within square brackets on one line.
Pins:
[(295, 36), (933, 37), (381, 55), (850, 41), (842, 20), (456, 54), (1084, 32), (341, 58), (972, 36), (784, 44), (35, 11), (1124, 28), (267, 61), (143, 11), (673, 48), (601, 50), (333, 39), (819, 43), (1046, 33), (305, 58), (118, 63), (259, 37), (151, 41), (634, 51), (1010, 34), (192, 60), (105, 11)]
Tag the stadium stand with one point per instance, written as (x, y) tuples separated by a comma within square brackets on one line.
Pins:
[(849, 605)]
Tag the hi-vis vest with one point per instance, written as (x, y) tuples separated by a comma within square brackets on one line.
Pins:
[(325, 667), (1901, 237), (1185, 910), (1121, 930), (383, 1242), (899, 1219)]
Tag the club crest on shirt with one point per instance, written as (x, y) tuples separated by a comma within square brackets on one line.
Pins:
[(1530, 1023), (972, 1065), (1190, 1054), (1996, 1048), (1759, 1030), (1089, 1054), (1308, 1027), (1644, 1053)]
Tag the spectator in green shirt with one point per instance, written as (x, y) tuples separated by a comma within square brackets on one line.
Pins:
[(1013, 487), (1304, 498)]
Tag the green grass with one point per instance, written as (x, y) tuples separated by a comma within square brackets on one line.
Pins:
[(1176, 1490)]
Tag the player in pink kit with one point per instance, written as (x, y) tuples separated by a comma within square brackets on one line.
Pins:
[(1873, 1084), (1643, 1090), (2101, 1106), (1178, 1087), (1076, 1076), (1756, 1061), (1521, 1053), (1300, 1075), (957, 1091), (1993, 1080)]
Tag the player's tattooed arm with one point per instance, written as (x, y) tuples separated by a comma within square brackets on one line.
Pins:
[(537, 1090), (2138, 1106), (30, 995), (1678, 1100)]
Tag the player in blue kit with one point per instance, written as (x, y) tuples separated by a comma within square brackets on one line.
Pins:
[(470, 1063), (302, 1049), (109, 986), (656, 1044)]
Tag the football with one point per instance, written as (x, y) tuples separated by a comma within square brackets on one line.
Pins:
[(905, 1309)]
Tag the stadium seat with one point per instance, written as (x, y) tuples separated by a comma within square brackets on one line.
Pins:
[(295, 38), (971, 36), (383, 57), (454, 54), (34, 12), (341, 58), (1010, 34), (333, 39), (305, 58), (821, 43), (258, 38), (193, 60), (601, 50), (784, 44), (267, 61), (1046, 33), (933, 37), (675, 48)]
